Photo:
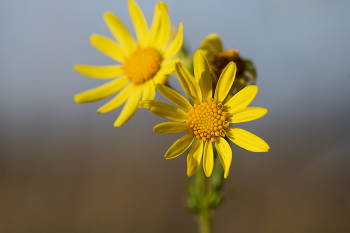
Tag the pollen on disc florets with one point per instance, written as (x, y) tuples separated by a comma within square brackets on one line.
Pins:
[(207, 121), (142, 64)]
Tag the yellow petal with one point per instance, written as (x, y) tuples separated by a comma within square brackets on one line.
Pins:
[(120, 32), (170, 127), (225, 154), (188, 82), (162, 79), (154, 30), (139, 22), (174, 97), (247, 114), (175, 45), (212, 41), (179, 146), (108, 47), (99, 72), (160, 76), (194, 157), (149, 90), (168, 66), (246, 140), (164, 30), (130, 106), (117, 100), (225, 82), (164, 110), (101, 92), (208, 159), (208, 52), (243, 98), (202, 73)]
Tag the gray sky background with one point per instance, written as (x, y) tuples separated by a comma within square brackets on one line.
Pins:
[(64, 168)]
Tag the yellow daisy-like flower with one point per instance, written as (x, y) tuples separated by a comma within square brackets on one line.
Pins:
[(143, 64), (208, 120)]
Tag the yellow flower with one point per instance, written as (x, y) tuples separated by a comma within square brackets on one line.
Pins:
[(219, 58), (208, 120), (143, 64)]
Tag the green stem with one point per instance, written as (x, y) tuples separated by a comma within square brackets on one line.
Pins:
[(205, 194), (204, 221)]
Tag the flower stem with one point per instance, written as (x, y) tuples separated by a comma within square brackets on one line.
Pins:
[(204, 221), (204, 214), (205, 194)]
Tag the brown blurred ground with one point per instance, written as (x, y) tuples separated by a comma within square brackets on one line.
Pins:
[(81, 178)]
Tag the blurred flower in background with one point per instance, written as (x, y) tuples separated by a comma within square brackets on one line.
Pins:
[(143, 63), (219, 58)]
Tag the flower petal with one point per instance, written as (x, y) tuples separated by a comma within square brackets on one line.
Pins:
[(188, 82), (101, 92), (246, 140), (154, 30), (130, 106), (164, 110), (174, 97), (194, 157), (225, 82), (120, 32), (243, 98), (247, 114), (139, 22), (149, 90), (224, 153), (117, 100), (179, 146), (208, 53), (202, 73), (208, 158), (175, 45), (108, 47), (213, 42), (168, 66), (99, 72), (160, 76), (164, 30), (170, 127)]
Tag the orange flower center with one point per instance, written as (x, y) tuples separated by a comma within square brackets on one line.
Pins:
[(142, 64), (207, 121)]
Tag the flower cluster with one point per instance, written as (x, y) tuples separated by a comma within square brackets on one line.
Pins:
[(220, 90)]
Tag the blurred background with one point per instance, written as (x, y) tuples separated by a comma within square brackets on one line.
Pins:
[(64, 168)]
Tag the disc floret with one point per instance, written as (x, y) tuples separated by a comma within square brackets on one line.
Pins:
[(142, 64), (207, 120)]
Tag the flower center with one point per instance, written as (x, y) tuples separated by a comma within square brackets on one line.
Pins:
[(142, 64), (207, 121)]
